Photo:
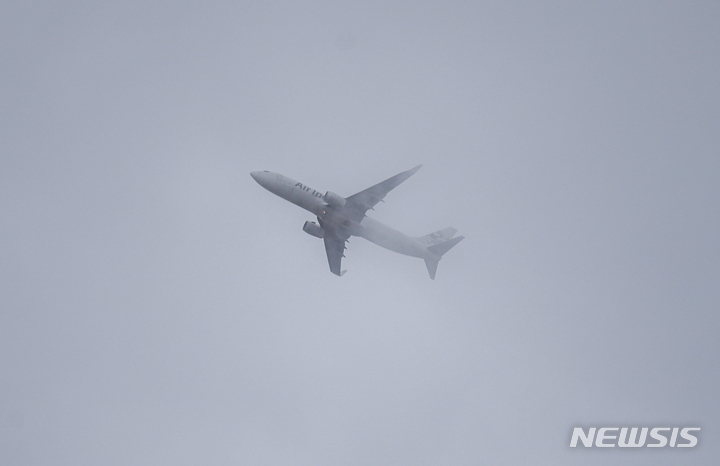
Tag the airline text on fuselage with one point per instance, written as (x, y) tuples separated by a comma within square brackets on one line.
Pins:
[(308, 189)]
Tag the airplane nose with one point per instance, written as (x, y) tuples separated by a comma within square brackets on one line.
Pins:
[(262, 178)]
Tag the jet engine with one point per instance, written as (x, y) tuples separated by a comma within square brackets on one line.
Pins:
[(314, 229), (334, 200)]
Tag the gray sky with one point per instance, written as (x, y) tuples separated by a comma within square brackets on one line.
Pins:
[(157, 306)]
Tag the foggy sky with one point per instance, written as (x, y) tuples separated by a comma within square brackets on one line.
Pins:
[(157, 306)]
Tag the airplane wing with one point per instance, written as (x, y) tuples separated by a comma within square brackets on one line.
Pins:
[(365, 200), (334, 247)]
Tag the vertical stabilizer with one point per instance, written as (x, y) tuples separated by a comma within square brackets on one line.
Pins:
[(431, 265), (438, 250)]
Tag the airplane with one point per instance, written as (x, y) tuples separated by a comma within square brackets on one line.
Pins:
[(339, 218)]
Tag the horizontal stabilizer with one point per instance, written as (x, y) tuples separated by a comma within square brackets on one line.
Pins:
[(437, 237), (441, 248)]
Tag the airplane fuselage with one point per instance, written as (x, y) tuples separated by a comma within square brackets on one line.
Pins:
[(332, 218)]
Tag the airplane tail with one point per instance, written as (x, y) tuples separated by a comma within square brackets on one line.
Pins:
[(437, 237), (439, 243)]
